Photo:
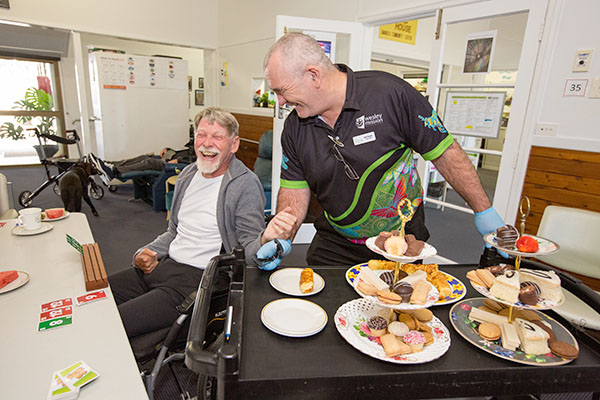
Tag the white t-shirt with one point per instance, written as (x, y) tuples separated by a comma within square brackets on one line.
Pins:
[(198, 238)]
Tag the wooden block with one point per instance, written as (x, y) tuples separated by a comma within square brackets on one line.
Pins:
[(93, 268)]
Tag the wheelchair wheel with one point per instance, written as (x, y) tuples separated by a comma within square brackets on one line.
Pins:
[(56, 189), (25, 198), (96, 192), (207, 387), (112, 188)]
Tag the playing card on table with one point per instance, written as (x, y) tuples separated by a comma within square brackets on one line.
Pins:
[(57, 304), (90, 297), (78, 374), (55, 323), (60, 389), (56, 313)]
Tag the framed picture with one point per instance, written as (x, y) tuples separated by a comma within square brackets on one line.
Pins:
[(199, 97), (4, 4), (200, 83), (189, 83), (479, 51)]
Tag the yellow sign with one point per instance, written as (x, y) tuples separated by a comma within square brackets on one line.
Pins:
[(404, 32)]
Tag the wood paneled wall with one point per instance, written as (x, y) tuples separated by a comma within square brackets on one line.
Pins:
[(251, 128), (560, 177)]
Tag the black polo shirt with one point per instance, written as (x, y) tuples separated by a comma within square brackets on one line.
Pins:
[(383, 119)]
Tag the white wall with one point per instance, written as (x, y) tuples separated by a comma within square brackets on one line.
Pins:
[(571, 26), (182, 22)]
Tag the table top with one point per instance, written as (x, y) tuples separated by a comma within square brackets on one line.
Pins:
[(326, 366), (96, 336)]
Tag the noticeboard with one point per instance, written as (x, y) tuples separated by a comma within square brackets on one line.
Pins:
[(474, 113)]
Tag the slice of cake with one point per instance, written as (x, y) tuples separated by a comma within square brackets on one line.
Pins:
[(510, 337), (534, 340), (506, 286), (547, 281)]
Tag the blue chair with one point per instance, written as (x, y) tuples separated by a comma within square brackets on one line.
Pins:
[(263, 165)]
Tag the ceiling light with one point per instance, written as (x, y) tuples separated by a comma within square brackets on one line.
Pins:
[(3, 21)]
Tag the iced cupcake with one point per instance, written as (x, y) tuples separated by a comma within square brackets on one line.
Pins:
[(377, 325), (415, 339)]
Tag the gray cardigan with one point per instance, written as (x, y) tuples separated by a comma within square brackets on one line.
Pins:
[(240, 210)]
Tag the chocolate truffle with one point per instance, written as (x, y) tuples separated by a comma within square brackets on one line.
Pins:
[(495, 270), (381, 238), (507, 236), (528, 293), (404, 290), (388, 276)]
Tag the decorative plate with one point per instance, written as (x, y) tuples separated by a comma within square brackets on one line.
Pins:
[(428, 251), (287, 281), (294, 317), (459, 317), (542, 304), (547, 246), (432, 297), (351, 322), (458, 288), (22, 279)]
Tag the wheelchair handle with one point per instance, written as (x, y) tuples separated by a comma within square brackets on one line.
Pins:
[(227, 357)]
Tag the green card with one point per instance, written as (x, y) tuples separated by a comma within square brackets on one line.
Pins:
[(55, 323), (75, 244)]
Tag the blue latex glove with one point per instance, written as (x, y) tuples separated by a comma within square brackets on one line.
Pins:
[(487, 221), (269, 256)]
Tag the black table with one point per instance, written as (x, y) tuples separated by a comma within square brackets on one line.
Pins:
[(326, 366)]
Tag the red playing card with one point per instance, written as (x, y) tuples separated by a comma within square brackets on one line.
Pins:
[(57, 304), (93, 296), (56, 313)]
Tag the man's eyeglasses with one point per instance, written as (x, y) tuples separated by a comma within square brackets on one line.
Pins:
[(350, 172)]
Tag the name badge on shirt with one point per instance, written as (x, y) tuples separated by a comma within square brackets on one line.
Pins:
[(364, 138)]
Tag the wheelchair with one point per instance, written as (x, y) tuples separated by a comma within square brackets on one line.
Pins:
[(63, 164), (162, 348)]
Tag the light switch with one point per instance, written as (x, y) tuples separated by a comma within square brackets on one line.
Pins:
[(595, 88)]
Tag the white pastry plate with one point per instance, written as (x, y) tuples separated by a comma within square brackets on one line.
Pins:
[(542, 304), (287, 281), (427, 251), (459, 318), (22, 279), (46, 218), (21, 231), (351, 322), (294, 317), (547, 246), (458, 288), (432, 297)]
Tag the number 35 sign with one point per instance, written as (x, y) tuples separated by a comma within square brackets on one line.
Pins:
[(575, 87)]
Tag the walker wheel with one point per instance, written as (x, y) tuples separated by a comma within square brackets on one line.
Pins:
[(96, 192), (25, 198), (56, 189), (112, 188)]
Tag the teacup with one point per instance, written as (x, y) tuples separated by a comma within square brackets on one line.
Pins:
[(31, 218)]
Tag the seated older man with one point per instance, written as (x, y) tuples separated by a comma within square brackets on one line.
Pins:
[(218, 204)]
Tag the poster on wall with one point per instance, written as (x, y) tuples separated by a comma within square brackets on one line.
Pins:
[(326, 40), (479, 51), (474, 113), (4, 4)]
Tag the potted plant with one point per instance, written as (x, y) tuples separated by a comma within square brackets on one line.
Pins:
[(35, 100)]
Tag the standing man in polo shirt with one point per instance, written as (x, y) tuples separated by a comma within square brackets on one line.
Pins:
[(350, 140)]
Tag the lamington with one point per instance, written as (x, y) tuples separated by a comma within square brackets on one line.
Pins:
[(534, 340), (506, 286), (547, 281)]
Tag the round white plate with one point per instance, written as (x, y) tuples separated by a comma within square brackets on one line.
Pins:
[(294, 317), (351, 322), (458, 288), (287, 281), (542, 304), (547, 246), (428, 251), (17, 283), (65, 215), (432, 297), (21, 231)]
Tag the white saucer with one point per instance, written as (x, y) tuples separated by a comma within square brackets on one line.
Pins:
[(17, 283), (427, 251), (287, 281), (21, 231), (294, 317)]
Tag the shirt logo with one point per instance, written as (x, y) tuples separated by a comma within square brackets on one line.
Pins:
[(363, 122), (433, 122)]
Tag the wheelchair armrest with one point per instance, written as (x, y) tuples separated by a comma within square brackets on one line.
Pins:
[(186, 305), (58, 139)]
